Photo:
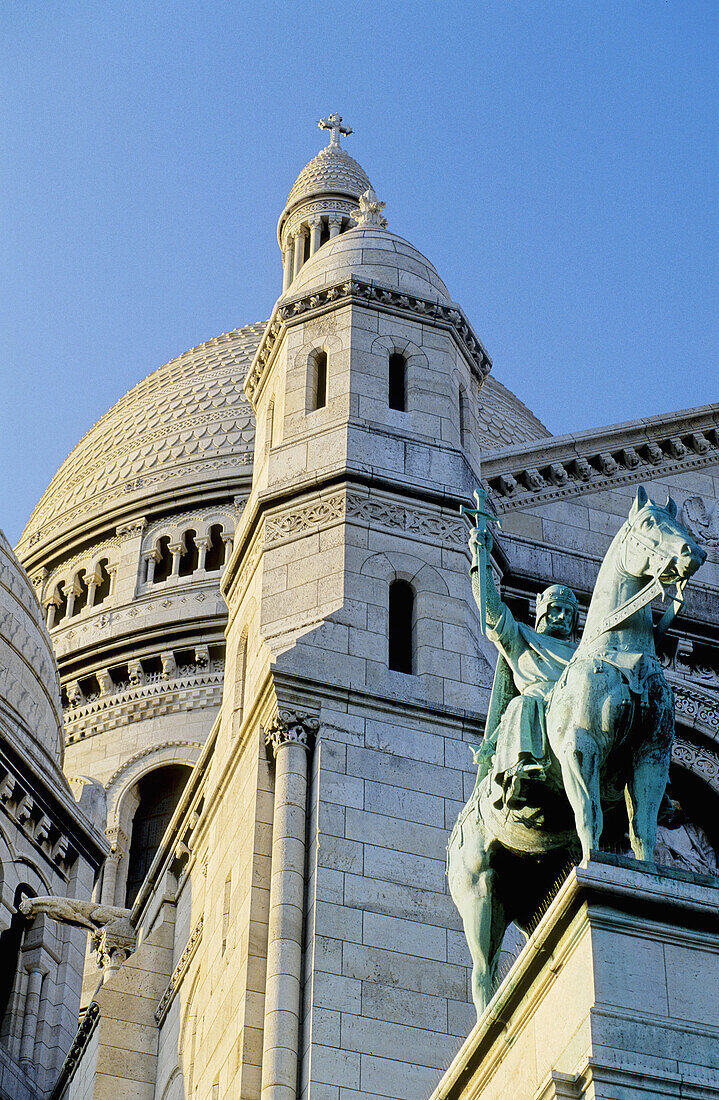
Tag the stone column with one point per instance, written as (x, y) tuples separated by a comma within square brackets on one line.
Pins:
[(299, 250), (335, 224), (287, 265), (177, 549), (203, 545), (228, 539), (118, 847), (31, 1015), (290, 737), (315, 231), (150, 559)]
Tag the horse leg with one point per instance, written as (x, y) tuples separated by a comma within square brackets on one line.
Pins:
[(579, 760), (484, 927), (646, 787), (472, 882)]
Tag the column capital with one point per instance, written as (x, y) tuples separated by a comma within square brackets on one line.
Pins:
[(291, 727)]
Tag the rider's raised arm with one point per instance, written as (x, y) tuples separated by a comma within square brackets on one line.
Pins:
[(494, 605)]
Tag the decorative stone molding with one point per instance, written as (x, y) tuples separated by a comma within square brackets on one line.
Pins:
[(701, 517), (356, 291), (290, 727), (565, 466), (152, 750), (83, 1035), (42, 828), (696, 708), (180, 970), (132, 529), (157, 697), (327, 511), (698, 760)]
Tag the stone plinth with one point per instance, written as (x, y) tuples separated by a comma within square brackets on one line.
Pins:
[(615, 996)]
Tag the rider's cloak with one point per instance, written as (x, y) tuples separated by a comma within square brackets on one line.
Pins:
[(528, 667)]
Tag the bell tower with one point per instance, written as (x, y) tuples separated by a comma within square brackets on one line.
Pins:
[(353, 676)]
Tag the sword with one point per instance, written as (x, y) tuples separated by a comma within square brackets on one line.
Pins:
[(478, 515)]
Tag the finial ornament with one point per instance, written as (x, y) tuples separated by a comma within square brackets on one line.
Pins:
[(333, 123), (369, 211)]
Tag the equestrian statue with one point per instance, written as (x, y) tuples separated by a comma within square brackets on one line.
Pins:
[(572, 730)]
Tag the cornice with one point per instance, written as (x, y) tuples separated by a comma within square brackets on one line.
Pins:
[(289, 311), (149, 700), (622, 454)]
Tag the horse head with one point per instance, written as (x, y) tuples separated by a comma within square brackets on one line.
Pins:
[(656, 544)]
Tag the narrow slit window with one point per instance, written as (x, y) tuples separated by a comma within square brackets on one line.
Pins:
[(397, 382), (401, 617), (319, 395)]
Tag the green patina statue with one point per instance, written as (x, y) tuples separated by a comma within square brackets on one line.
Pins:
[(571, 729)]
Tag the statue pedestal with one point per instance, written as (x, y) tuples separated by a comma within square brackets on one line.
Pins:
[(614, 997)]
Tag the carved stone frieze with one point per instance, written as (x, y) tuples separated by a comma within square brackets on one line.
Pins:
[(568, 465), (696, 708), (155, 697), (326, 511), (290, 727), (697, 759)]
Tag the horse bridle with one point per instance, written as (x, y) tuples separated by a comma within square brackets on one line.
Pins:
[(645, 595)]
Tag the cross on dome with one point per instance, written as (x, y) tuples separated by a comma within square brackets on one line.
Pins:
[(333, 123)]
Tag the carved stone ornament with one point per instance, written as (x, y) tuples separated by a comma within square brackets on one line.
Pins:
[(701, 517), (114, 938), (369, 211), (290, 727)]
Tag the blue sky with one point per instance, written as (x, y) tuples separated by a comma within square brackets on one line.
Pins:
[(556, 161)]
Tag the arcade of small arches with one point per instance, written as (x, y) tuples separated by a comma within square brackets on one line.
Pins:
[(185, 553), (86, 588), (303, 238)]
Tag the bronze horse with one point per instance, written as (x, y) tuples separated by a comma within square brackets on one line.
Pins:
[(610, 727)]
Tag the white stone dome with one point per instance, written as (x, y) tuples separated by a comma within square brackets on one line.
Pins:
[(29, 686), (333, 170), (375, 255), (187, 421)]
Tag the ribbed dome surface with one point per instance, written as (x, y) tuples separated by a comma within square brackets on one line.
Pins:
[(29, 684), (189, 417), (376, 255), (333, 169)]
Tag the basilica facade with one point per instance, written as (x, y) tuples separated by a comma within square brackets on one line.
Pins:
[(254, 574)]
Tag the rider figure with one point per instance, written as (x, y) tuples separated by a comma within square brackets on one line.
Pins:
[(530, 663)]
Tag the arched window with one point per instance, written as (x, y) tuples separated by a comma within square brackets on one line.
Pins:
[(103, 589), (10, 946), (397, 382), (216, 550), (159, 793), (240, 680), (81, 598), (401, 626), (61, 605), (318, 383), (190, 559), (163, 565)]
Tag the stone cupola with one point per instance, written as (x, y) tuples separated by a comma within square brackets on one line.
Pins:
[(320, 204)]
